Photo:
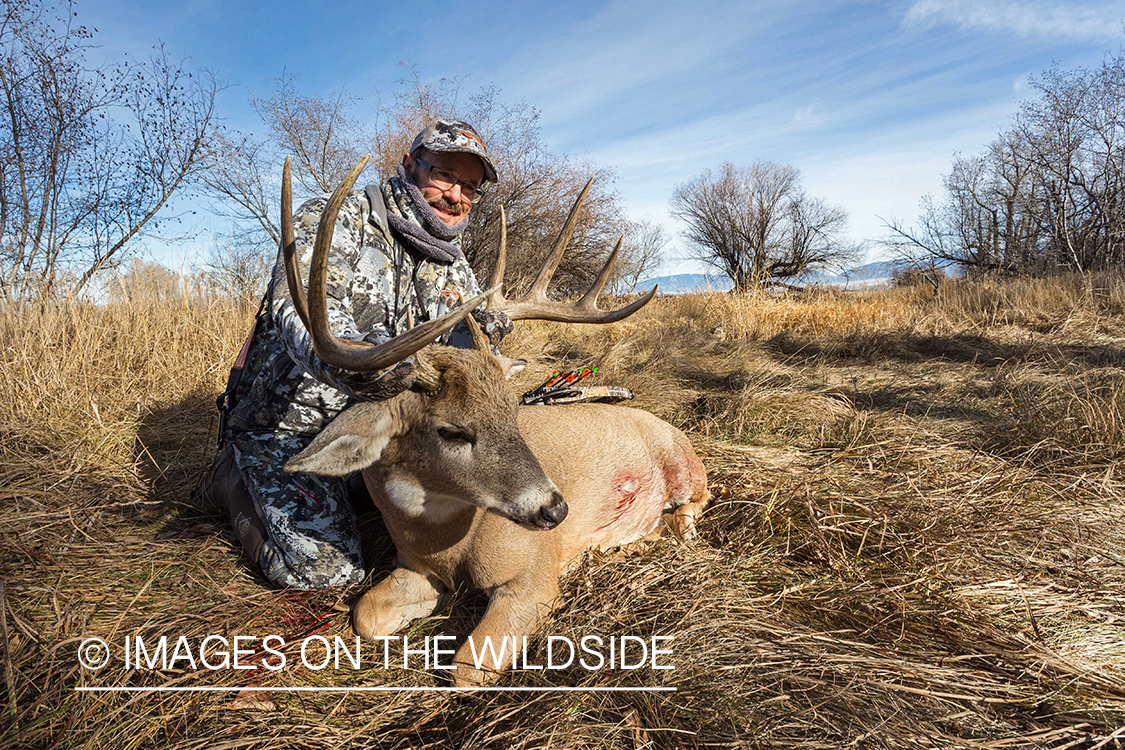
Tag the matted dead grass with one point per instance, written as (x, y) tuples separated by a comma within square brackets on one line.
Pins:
[(917, 536)]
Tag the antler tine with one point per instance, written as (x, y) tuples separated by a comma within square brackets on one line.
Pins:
[(497, 281), (590, 298), (538, 291), (477, 336), (589, 301), (289, 249), (536, 305), (359, 356), (327, 346)]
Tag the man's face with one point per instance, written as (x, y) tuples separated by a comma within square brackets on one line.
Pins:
[(449, 204)]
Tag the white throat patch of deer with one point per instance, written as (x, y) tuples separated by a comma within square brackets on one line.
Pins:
[(474, 489)]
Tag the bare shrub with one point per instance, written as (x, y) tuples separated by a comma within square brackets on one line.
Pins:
[(88, 157), (145, 283), (237, 272), (757, 225), (918, 276)]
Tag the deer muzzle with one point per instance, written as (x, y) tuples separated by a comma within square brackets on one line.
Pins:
[(542, 516), (554, 512)]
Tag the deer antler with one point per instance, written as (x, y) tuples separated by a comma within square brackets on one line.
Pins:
[(289, 249), (535, 305), (357, 356)]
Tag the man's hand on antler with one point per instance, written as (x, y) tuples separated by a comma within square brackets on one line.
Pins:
[(495, 324)]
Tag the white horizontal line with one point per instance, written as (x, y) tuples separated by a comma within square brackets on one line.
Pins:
[(265, 689)]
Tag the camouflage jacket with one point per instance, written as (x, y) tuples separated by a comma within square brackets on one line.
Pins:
[(373, 282)]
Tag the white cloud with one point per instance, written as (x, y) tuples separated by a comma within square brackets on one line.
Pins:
[(631, 51), (805, 116), (1026, 19)]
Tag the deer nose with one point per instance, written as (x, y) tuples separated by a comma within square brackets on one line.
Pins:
[(554, 513)]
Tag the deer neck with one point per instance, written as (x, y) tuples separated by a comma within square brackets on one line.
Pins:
[(425, 521)]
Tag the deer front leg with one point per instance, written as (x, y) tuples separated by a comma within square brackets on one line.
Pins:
[(398, 600), (513, 611)]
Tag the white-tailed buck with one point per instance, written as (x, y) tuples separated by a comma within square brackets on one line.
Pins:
[(475, 489)]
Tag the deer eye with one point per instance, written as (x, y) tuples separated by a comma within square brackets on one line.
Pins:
[(456, 435)]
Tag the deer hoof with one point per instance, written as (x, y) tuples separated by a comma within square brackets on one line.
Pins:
[(466, 676), (683, 520), (370, 621)]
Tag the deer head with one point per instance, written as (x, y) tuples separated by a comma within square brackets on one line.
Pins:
[(433, 451)]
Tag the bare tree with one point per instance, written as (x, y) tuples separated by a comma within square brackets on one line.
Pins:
[(88, 157), (236, 271), (922, 249), (756, 224), (1075, 129), (172, 123), (413, 106), (1048, 195), (323, 137), (813, 237), (536, 187), (240, 175)]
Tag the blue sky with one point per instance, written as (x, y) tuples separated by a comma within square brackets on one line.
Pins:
[(870, 100)]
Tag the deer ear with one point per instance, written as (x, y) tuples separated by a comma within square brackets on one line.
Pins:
[(353, 441), (511, 366)]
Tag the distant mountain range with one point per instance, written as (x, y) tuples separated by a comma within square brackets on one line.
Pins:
[(873, 275), (685, 283)]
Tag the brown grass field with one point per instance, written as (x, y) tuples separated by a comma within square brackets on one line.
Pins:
[(917, 538)]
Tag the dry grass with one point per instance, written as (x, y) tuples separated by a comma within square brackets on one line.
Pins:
[(918, 537)]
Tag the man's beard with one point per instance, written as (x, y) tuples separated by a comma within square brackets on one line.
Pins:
[(443, 204)]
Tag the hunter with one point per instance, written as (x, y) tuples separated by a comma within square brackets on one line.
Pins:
[(395, 256)]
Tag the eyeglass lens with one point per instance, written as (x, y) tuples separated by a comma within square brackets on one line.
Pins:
[(445, 180)]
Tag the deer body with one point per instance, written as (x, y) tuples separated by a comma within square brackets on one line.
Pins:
[(489, 512), (617, 488), (620, 470)]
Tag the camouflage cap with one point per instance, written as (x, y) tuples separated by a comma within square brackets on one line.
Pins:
[(455, 136)]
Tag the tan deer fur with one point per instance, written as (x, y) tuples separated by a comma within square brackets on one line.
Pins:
[(472, 490)]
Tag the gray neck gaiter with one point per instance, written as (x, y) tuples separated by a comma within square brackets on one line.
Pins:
[(418, 225)]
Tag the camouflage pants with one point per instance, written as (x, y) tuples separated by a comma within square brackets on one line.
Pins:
[(313, 539)]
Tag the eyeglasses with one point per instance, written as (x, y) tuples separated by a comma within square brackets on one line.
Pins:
[(445, 180)]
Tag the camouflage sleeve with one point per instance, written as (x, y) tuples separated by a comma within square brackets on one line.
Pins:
[(461, 277), (360, 278)]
